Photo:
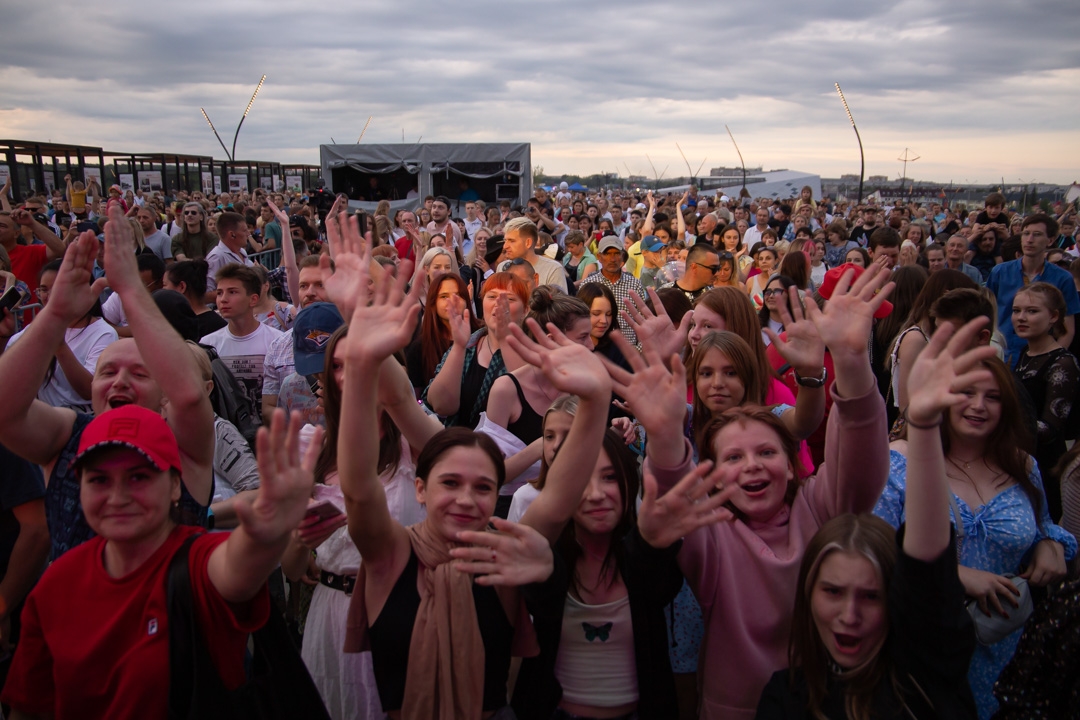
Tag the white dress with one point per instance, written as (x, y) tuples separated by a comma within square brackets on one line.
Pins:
[(346, 681)]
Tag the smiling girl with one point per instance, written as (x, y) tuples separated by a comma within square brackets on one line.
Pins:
[(743, 572), (1050, 375)]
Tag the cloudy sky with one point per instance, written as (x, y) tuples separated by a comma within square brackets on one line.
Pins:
[(979, 90)]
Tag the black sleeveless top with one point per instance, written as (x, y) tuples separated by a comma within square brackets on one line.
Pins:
[(530, 425), (391, 634)]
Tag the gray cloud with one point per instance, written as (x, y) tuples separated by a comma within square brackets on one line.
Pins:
[(980, 89)]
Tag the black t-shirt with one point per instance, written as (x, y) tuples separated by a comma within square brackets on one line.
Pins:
[(209, 322), (21, 482)]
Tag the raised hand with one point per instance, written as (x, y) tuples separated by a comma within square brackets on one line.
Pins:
[(385, 325), (655, 391), (655, 330), (502, 318), (848, 318), (121, 267), (515, 555), (349, 283), (75, 291), (282, 217), (570, 367), (803, 348), (460, 328), (943, 369), (684, 508), (284, 481)]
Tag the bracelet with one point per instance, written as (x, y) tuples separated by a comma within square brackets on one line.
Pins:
[(931, 426)]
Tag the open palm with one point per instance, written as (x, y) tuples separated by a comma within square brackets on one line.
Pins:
[(848, 318), (943, 369), (570, 367), (654, 392), (385, 325), (803, 347)]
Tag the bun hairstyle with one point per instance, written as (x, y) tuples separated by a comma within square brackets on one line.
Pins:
[(551, 305), (192, 273)]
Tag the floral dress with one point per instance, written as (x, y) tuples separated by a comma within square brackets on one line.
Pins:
[(998, 538)]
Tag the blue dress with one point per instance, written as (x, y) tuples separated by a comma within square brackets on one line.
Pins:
[(998, 539)]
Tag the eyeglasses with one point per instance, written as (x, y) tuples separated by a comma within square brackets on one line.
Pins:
[(773, 292), (711, 268), (42, 290)]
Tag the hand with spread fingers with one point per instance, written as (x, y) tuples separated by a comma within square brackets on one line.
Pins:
[(943, 369), (655, 391), (74, 290), (654, 330), (460, 329), (848, 318), (803, 348), (570, 367), (384, 325), (515, 555), (665, 519), (285, 480)]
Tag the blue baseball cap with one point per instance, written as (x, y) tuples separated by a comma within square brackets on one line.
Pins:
[(311, 332), (652, 243)]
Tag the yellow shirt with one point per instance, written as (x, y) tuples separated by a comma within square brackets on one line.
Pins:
[(634, 262)]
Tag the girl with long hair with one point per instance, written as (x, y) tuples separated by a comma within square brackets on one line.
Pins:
[(728, 274), (600, 616), (743, 571), (775, 298), (346, 681), (436, 336), (441, 643), (1050, 375), (880, 629), (519, 398), (604, 319), (765, 259), (998, 492)]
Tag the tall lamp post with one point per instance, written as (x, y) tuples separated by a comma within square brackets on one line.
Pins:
[(862, 158), (232, 155)]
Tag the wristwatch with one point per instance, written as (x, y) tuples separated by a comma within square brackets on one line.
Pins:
[(812, 382)]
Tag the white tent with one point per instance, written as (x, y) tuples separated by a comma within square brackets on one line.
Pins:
[(405, 173)]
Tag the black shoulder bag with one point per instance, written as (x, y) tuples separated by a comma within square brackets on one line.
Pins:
[(278, 685)]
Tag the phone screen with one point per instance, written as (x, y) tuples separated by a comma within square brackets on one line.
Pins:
[(11, 299)]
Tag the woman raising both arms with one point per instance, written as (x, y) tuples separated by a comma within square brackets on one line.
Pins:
[(744, 572), (880, 628), (440, 643)]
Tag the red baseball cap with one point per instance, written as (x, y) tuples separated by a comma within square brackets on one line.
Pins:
[(136, 428), (833, 276)]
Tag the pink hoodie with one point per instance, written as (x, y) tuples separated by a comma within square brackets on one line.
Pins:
[(744, 573)]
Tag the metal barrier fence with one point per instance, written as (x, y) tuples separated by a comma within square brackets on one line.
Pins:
[(269, 259)]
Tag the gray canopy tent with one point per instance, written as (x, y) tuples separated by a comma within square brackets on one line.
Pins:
[(405, 173)]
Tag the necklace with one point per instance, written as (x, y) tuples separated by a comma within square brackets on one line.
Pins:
[(963, 470)]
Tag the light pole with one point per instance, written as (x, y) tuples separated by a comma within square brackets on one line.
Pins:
[(232, 155), (862, 158)]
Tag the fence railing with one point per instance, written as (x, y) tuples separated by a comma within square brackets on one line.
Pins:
[(269, 259)]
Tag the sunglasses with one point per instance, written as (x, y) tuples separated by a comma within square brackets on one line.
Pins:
[(711, 268), (725, 255), (192, 212), (773, 292)]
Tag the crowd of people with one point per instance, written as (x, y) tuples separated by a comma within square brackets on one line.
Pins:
[(607, 455)]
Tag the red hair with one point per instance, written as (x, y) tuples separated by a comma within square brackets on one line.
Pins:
[(509, 282)]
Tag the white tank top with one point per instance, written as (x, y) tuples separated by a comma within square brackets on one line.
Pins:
[(596, 664)]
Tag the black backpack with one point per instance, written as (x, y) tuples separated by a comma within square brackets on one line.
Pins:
[(229, 398), (278, 686)]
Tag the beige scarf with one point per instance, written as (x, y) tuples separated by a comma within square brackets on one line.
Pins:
[(445, 678)]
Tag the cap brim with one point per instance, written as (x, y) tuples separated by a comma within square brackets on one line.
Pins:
[(884, 310), (158, 463), (309, 363)]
